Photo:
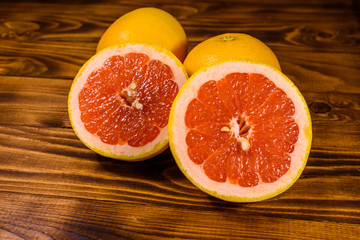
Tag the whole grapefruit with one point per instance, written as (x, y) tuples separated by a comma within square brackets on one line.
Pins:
[(229, 46), (147, 25)]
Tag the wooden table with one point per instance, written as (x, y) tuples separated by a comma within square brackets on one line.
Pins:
[(53, 187)]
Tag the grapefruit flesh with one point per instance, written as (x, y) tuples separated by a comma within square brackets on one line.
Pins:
[(120, 107), (112, 110), (245, 133), (272, 133)]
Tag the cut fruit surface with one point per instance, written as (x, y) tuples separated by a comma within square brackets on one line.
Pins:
[(120, 100), (240, 131)]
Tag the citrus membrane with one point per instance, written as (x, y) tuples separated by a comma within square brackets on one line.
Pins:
[(120, 100), (240, 131)]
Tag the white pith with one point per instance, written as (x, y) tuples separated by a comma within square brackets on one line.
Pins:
[(228, 191), (125, 151)]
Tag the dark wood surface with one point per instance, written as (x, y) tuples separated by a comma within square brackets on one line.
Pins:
[(53, 187)]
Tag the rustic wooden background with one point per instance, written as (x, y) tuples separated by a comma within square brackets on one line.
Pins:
[(53, 187)]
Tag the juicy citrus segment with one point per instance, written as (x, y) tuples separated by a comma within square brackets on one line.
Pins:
[(239, 167), (204, 140), (259, 89), (120, 101), (240, 131), (232, 91), (277, 105)]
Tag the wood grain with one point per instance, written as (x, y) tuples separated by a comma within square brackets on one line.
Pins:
[(53, 187)]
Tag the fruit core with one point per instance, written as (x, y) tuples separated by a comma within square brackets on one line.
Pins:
[(128, 99), (130, 96), (241, 129)]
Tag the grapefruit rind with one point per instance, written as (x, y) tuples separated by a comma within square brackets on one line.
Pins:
[(227, 191), (121, 152)]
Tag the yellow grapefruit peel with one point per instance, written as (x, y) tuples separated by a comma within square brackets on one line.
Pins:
[(149, 25), (226, 47)]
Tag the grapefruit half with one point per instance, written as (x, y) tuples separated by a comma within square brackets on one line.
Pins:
[(119, 102), (240, 131)]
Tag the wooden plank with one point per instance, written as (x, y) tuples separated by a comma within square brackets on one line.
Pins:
[(109, 220), (34, 101)]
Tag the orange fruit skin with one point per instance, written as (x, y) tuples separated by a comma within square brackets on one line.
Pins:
[(229, 46), (147, 25)]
